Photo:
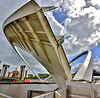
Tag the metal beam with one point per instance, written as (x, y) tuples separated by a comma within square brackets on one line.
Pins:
[(25, 62), (86, 52), (48, 8), (35, 36), (11, 26), (7, 31), (47, 78), (20, 37), (36, 32), (12, 32), (27, 38), (42, 32)]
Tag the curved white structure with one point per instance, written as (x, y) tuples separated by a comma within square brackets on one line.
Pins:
[(86, 70), (29, 29)]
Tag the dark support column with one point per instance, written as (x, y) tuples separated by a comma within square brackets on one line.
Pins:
[(22, 72), (29, 93)]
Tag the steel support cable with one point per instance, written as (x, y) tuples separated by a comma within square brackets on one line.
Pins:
[(86, 52), (26, 62)]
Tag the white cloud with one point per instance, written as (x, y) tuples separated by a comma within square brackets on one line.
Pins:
[(43, 3), (55, 25), (84, 35), (96, 59), (97, 65), (83, 27), (82, 24), (76, 67), (95, 2)]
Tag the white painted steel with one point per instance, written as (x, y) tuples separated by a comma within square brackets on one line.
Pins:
[(62, 93), (47, 78), (29, 29), (4, 96), (26, 62), (57, 95), (47, 95), (86, 70), (79, 89)]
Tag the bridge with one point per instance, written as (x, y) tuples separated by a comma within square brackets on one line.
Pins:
[(29, 29)]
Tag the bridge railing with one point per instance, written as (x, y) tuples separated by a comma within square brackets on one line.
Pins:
[(47, 95), (54, 94), (61, 93)]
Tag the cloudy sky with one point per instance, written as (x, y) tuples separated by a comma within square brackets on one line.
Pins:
[(77, 20)]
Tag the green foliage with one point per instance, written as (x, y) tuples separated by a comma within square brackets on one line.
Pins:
[(73, 75), (43, 75)]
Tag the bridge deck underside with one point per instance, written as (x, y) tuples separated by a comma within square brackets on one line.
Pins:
[(31, 31)]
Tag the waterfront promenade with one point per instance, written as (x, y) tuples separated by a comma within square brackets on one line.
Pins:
[(74, 89), (16, 90)]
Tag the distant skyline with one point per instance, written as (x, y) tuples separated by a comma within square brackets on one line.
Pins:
[(78, 21)]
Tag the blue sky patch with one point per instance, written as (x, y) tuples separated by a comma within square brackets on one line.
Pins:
[(60, 16)]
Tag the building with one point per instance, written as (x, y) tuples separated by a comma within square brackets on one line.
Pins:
[(10, 74), (22, 72), (26, 73), (5, 70), (16, 72)]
